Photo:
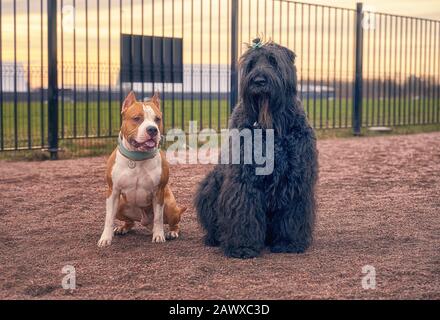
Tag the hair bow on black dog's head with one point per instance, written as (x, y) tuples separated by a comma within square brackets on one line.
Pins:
[(257, 43)]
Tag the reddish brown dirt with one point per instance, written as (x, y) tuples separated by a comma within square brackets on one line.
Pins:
[(379, 201)]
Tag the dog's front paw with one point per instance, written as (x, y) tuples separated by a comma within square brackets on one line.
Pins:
[(158, 237), (283, 247), (242, 252), (172, 235), (211, 241), (104, 241), (121, 231)]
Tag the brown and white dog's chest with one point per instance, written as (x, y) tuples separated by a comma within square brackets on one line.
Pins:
[(137, 184)]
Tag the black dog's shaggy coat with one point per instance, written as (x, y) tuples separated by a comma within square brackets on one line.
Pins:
[(241, 211)]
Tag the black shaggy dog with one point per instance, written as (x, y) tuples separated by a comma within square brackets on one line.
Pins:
[(241, 211)]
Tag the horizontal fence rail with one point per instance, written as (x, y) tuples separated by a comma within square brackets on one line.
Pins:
[(399, 64)]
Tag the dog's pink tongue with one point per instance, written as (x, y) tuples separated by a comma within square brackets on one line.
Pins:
[(151, 144)]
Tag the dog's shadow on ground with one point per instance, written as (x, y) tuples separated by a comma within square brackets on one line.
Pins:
[(141, 237)]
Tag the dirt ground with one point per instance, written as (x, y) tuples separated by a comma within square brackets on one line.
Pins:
[(379, 204)]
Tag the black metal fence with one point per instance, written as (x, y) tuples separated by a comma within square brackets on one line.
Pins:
[(357, 68)]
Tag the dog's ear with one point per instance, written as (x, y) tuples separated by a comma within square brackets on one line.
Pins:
[(156, 99), (128, 102), (291, 55)]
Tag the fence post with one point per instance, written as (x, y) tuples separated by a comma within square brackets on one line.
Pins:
[(234, 54), (52, 90), (357, 98)]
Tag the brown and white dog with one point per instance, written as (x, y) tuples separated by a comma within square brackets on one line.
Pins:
[(137, 176)]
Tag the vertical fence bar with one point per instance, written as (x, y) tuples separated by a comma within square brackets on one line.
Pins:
[(414, 79), (153, 70), (322, 68), (385, 61), (109, 69), (434, 74), (74, 77), (62, 69), (234, 54), (314, 61), (228, 53), (173, 97), (142, 47), (327, 105), (201, 67), (219, 102), (431, 83), (308, 60), (249, 21), (294, 26), (265, 18), (192, 59), (258, 18), (379, 68), (2, 145), (350, 53), (87, 68), (395, 73), (373, 84), (121, 93), (164, 115), (438, 75), (15, 79), (98, 49), (182, 103), (29, 137), (273, 20), (404, 94), (419, 80), (287, 26), (335, 45), (400, 72), (340, 68), (302, 51), (367, 68), (131, 45), (281, 21), (357, 105), (437, 56), (52, 91), (410, 87), (407, 71), (421, 68), (388, 73), (427, 84), (425, 43), (210, 64)]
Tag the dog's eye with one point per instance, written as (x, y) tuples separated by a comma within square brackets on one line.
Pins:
[(250, 66), (137, 119), (157, 119), (273, 61)]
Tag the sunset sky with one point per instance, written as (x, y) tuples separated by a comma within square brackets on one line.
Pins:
[(429, 9), (200, 20)]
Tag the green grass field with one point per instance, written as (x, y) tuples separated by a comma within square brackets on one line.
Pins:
[(104, 120), (95, 120)]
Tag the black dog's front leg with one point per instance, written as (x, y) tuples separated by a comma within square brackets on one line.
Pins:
[(290, 226), (206, 205), (242, 222)]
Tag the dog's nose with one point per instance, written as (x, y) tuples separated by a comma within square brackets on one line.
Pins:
[(260, 81), (152, 131)]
